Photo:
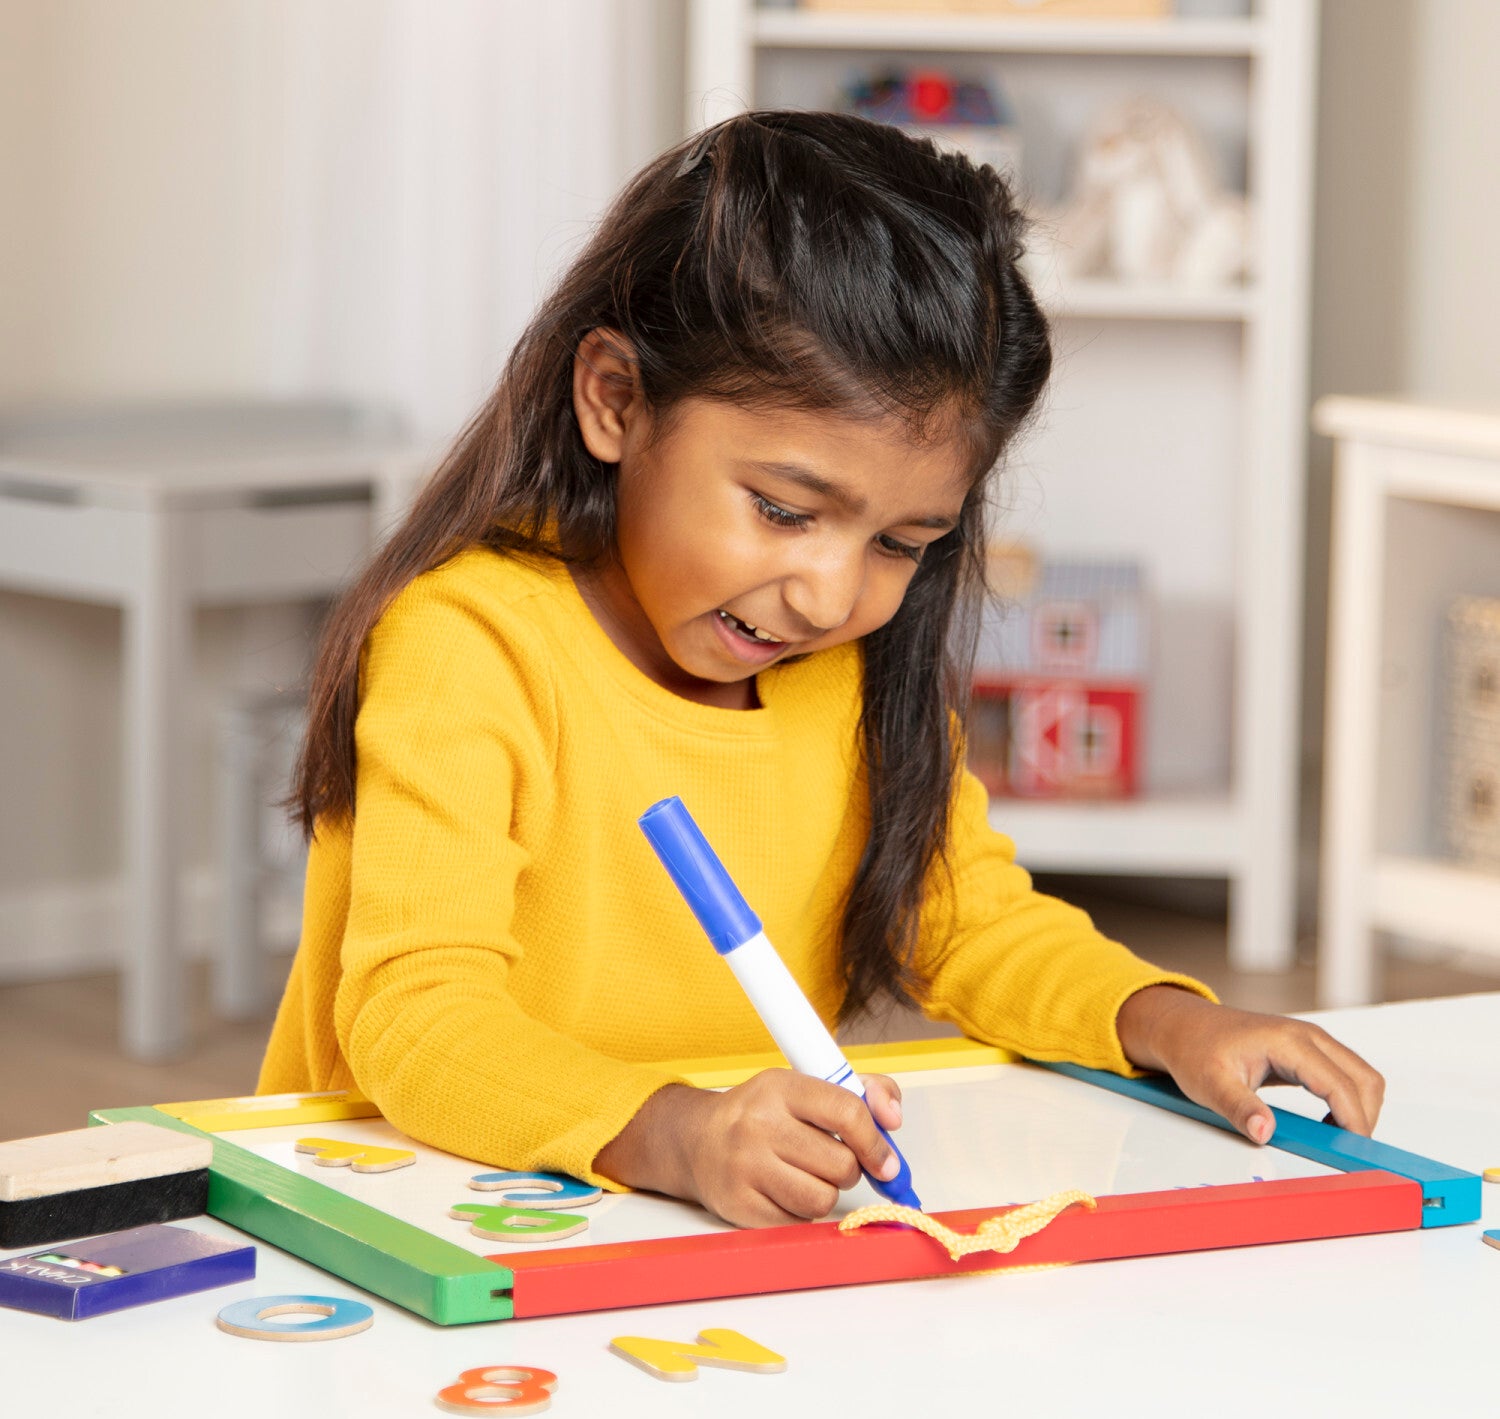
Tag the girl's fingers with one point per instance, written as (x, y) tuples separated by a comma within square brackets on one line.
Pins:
[(1300, 1061), (821, 1156), (836, 1110), (1229, 1094), (883, 1095), (804, 1197), (1368, 1081), (759, 1210), (1319, 1073)]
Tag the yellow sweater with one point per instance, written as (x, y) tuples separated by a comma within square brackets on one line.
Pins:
[(493, 955)]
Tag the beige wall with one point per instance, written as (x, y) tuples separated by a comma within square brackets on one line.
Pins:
[(1454, 203), (1363, 260)]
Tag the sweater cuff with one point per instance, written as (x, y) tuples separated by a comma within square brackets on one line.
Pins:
[(577, 1151), (1106, 1051), (1119, 1063)]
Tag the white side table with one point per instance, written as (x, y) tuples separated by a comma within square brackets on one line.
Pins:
[(1416, 523), (160, 516)]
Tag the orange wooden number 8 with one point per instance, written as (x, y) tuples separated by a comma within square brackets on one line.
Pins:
[(502, 1389)]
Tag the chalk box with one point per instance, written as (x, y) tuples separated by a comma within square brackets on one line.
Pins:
[(80, 1279)]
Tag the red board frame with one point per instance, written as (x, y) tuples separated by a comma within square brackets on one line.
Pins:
[(816, 1254)]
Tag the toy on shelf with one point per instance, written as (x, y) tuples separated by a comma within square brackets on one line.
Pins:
[(1146, 206), (92, 1180), (1471, 804), (959, 115), (1058, 681), (103, 1274)]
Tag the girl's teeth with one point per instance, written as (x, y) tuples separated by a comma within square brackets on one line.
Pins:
[(735, 623)]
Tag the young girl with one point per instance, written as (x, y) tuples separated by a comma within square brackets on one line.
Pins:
[(717, 533)]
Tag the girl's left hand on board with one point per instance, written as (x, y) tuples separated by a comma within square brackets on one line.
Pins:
[(1220, 1056)]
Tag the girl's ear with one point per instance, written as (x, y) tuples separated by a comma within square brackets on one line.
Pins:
[(606, 393)]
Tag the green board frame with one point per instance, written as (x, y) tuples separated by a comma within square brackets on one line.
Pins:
[(415, 1269)]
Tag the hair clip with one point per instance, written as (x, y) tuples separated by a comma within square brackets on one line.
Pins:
[(698, 152)]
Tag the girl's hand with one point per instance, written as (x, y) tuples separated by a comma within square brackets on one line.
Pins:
[(761, 1154), (1220, 1057)]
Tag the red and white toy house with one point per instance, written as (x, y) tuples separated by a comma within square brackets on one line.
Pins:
[(1058, 682)]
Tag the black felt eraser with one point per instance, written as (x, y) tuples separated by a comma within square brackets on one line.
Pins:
[(102, 1179)]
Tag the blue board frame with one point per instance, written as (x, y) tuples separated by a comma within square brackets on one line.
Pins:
[(1450, 1196)]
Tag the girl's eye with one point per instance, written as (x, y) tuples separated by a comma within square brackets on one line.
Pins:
[(892, 548), (779, 516)]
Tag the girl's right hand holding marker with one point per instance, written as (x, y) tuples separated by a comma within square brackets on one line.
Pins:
[(761, 1154)]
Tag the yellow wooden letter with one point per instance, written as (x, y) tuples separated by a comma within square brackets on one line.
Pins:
[(362, 1157), (674, 1359)]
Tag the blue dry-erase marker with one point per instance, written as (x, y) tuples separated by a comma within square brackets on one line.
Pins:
[(736, 934)]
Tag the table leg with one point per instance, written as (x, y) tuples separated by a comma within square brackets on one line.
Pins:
[(1346, 949), (157, 647)]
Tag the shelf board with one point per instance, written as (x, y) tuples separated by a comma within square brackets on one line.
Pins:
[(1155, 300), (811, 29), (1165, 835), (1432, 900)]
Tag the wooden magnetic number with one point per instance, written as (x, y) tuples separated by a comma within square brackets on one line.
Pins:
[(504, 1389), (361, 1157), (517, 1224), (552, 1191), (255, 1319), (674, 1359)]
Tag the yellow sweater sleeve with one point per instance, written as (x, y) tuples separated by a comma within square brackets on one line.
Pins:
[(454, 741), (1014, 967)]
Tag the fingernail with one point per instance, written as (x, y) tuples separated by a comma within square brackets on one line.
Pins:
[(1260, 1128), (888, 1169), (896, 1109)]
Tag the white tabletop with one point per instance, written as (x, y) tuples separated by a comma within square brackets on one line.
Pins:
[(1396, 1324)]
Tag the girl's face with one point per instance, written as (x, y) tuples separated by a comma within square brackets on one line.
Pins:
[(746, 536)]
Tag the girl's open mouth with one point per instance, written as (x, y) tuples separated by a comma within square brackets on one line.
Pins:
[(748, 632)]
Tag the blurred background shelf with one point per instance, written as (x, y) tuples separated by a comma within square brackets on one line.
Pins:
[(1429, 899), (1166, 835), (1117, 300), (1174, 436), (1416, 524), (792, 29)]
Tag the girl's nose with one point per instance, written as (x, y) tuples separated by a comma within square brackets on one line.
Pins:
[(824, 591)]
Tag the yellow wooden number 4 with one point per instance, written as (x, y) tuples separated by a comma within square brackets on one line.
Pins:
[(361, 1157), (674, 1359)]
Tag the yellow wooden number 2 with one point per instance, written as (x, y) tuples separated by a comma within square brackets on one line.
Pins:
[(674, 1359), (499, 1389)]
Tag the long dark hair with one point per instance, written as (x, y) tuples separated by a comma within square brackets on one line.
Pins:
[(782, 259)]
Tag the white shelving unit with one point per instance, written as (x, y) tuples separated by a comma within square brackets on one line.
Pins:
[(1176, 424), (1416, 523)]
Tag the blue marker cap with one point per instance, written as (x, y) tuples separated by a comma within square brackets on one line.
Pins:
[(694, 866)]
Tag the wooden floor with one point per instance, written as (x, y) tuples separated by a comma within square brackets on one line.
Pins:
[(59, 1058)]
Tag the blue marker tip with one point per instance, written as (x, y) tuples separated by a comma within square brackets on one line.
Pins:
[(898, 1189)]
